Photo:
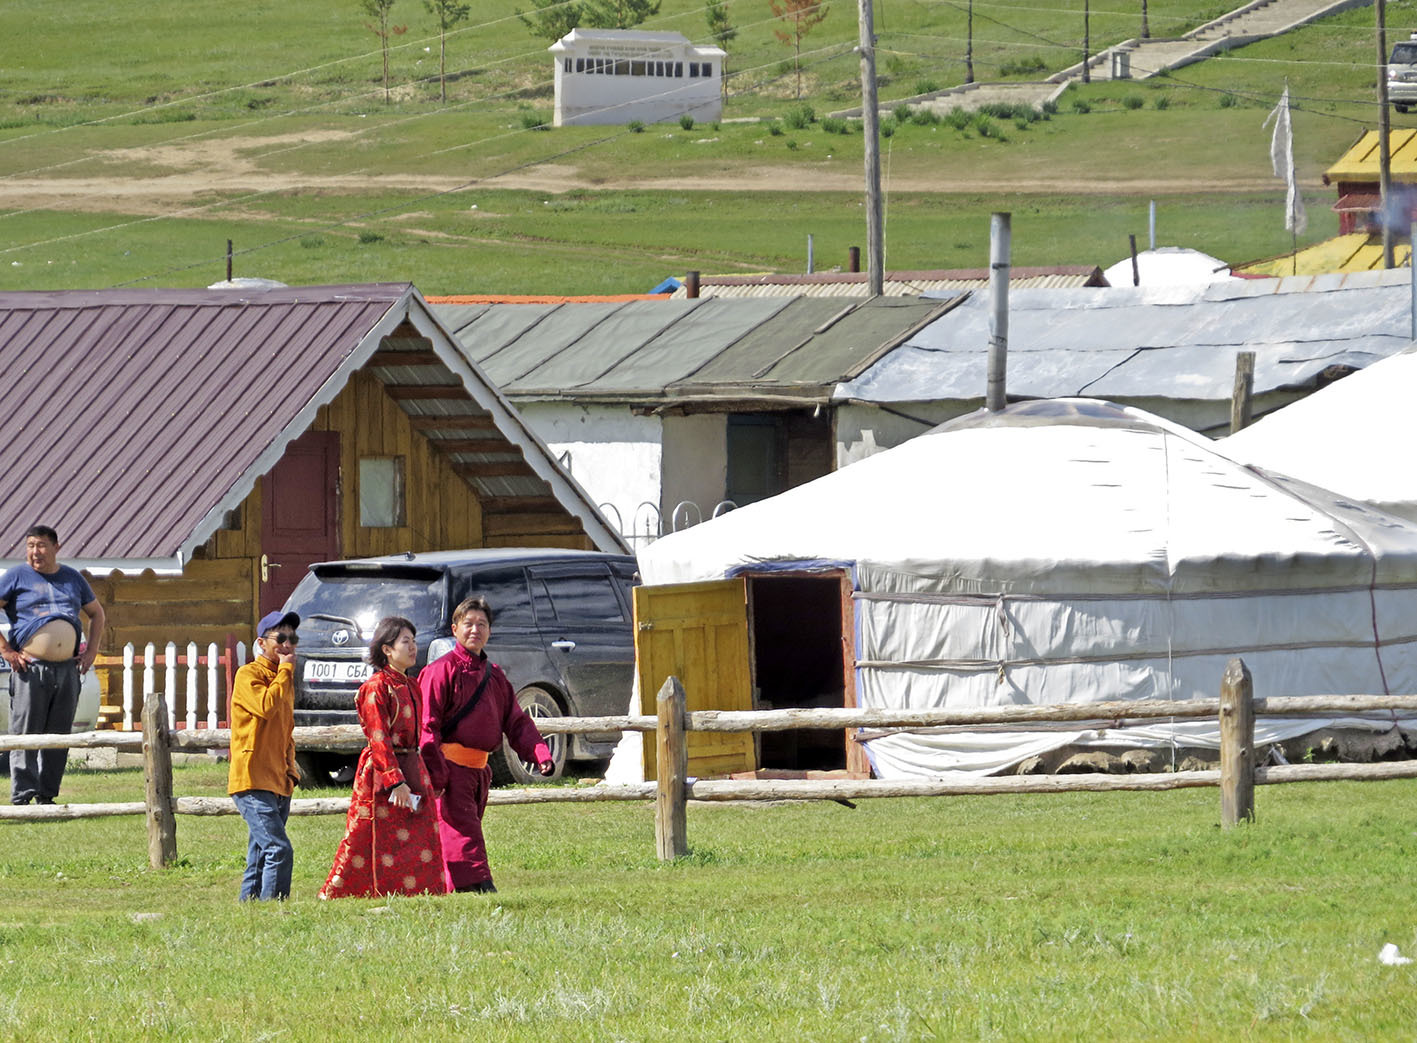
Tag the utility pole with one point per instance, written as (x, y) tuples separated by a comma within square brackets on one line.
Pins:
[(871, 127), (1384, 155), (1086, 40), (969, 45)]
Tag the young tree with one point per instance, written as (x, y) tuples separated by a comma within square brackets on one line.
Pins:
[(618, 14), (449, 13), (552, 19), (721, 30), (379, 11), (801, 17)]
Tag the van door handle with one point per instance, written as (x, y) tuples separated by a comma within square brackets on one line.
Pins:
[(564, 646)]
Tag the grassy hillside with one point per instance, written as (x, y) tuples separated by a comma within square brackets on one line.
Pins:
[(132, 147)]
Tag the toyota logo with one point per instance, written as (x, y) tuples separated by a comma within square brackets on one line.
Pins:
[(339, 637)]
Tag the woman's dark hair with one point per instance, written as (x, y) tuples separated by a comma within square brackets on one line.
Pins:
[(386, 633), (473, 604)]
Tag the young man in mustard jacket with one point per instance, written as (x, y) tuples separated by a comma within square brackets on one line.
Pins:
[(263, 772)]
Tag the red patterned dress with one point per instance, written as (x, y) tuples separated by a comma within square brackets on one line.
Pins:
[(388, 849)]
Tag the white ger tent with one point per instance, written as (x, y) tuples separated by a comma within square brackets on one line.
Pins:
[(1078, 551), (1354, 436)]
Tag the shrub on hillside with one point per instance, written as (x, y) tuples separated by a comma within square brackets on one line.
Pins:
[(1023, 67), (1228, 101), (901, 113), (958, 119), (535, 121), (926, 87), (1082, 106), (1163, 101), (799, 117), (835, 125), (686, 121), (1133, 102), (635, 126), (924, 117)]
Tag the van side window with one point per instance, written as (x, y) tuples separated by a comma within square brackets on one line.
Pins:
[(504, 589), (578, 594)]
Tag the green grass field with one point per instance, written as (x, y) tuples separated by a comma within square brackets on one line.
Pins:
[(1079, 916), (134, 144)]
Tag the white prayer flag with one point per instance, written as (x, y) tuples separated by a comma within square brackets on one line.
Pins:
[(1281, 157)]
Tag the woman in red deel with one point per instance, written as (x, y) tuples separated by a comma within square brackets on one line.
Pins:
[(390, 843)]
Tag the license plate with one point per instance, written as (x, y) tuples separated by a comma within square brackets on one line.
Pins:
[(330, 671)]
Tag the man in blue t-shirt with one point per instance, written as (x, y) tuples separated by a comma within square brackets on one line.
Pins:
[(43, 600)]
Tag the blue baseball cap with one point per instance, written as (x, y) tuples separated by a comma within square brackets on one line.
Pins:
[(275, 620)]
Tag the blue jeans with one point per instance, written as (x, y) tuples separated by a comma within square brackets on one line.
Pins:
[(269, 856)]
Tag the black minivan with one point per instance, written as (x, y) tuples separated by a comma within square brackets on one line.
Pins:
[(561, 632)]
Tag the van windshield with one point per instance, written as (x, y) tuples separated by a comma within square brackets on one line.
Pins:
[(1404, 54), (367, 597)]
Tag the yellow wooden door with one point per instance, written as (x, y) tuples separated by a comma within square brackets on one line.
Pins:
[(697, 632)]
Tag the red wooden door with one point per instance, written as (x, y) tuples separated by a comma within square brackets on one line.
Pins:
[(299, 514)]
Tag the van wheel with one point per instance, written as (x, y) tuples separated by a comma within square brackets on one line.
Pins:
[(507, 767), (1400, 107), (325, 770)]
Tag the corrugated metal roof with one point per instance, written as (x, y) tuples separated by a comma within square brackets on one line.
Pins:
[(138, 417), (1360, 163), (1355, 252), (652, 352), (935, 282), (1159, 342)]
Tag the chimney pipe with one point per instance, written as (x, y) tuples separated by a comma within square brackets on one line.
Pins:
[(999, 255), (853, 258), (691, 285)]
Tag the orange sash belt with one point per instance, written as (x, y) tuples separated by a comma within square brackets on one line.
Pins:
[(465, 755)]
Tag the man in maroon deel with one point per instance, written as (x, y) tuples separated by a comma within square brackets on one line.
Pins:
[(468, 705)]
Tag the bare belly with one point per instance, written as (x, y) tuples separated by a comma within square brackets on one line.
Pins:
[(55, 641)]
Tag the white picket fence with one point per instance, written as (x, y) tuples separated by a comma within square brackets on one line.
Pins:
[(181, 677)]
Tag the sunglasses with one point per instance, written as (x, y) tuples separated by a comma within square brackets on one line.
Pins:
[(284, 637)]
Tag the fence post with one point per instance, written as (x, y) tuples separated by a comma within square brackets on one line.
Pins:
[(191, 684), (212, 689), (1237, 745), (157, 774), (671, 829), (170, 685), (128, 687)]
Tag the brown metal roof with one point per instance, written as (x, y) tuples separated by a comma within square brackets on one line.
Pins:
[(136, 418)]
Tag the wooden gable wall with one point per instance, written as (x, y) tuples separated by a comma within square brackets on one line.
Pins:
[(217, 594)]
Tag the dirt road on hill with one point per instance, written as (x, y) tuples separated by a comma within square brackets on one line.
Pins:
[(190, 175)]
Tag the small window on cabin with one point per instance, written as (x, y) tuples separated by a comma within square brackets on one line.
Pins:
[(381, 498), (637, 68), (567, 66), (622, 68), (679, 70), (580, 65), (706, 69), (693, 69)]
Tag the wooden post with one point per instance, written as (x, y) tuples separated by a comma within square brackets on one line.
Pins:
[(671, 827), (157, 773), (1242, 396), (1237, 745)]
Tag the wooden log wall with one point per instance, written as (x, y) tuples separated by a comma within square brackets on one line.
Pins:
[(217, 594)]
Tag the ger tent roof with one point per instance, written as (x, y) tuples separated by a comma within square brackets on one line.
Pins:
[(1354, 436), (1078, 551)]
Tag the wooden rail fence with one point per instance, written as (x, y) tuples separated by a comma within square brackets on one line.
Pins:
[(1236, 709)]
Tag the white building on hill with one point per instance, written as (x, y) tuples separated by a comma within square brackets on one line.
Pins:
[(618, 75)]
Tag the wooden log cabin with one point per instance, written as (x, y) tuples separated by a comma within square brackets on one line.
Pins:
[(198, 449)]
